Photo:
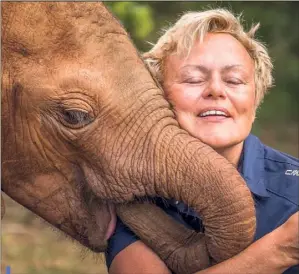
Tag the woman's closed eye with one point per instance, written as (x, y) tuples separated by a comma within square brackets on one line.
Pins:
[(193, 80), (234, 81)]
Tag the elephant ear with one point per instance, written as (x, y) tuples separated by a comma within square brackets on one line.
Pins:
[(2, 206)]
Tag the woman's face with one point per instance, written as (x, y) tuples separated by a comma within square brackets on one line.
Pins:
[(213, 90)]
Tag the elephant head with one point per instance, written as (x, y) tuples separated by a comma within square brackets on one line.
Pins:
[(85, 127)]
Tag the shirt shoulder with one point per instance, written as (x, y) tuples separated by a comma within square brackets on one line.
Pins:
[(272, 155), (281, 174)]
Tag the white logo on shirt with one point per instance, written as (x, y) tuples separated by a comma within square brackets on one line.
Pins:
[(291, 172)]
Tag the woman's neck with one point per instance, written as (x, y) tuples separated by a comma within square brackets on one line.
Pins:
[(232, 154)]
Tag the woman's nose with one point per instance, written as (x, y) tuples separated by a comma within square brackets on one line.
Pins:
[(215, 88)]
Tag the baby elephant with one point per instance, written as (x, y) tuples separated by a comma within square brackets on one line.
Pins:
[(85, 127)]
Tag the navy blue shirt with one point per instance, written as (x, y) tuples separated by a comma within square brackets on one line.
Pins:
[(272, 177)]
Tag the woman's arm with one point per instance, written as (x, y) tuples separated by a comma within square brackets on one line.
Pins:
[(137, 258), (274, 253), (260, 257), (257, 258)]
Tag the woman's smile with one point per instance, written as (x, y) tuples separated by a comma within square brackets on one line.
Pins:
[(214, 118)]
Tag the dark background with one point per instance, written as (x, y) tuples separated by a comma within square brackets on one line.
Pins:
[(30, 246)]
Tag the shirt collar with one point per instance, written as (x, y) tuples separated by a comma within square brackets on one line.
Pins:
[(252, 166)]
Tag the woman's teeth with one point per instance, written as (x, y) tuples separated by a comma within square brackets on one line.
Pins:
[(213, 112)]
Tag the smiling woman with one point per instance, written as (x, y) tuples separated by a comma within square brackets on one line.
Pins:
[(215, 75), (214, 93)]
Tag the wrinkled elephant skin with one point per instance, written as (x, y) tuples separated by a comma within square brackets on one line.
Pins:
[(85, 127)]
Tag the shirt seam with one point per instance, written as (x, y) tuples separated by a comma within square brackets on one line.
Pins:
[(281, 196), (281, 162)]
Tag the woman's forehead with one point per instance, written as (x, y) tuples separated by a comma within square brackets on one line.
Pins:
[(218, 50)]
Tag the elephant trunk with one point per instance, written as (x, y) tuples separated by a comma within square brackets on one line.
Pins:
[(183, 250), (187, 170), (170, 163)]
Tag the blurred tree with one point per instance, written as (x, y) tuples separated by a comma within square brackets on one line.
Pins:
[(136, 17)]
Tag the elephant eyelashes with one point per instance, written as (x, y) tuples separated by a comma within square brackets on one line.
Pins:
[(75, 119)]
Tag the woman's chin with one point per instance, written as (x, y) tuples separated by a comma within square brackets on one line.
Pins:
[(216, 141)]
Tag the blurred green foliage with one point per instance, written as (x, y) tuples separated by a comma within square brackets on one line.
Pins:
[(136, 17), (279, 31)]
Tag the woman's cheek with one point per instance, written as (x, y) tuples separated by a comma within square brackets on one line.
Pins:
[(243, 103), (184, 99), (191, 94)]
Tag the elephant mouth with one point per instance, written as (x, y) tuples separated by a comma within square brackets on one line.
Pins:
[(112, 223), (102, 225)]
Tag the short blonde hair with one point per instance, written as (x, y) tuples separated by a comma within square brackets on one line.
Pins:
[(180, 38)]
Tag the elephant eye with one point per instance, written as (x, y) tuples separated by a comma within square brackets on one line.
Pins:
[(75, 119)]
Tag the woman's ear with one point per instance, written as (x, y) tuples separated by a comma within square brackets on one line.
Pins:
[(254, 112), (253, 117)]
